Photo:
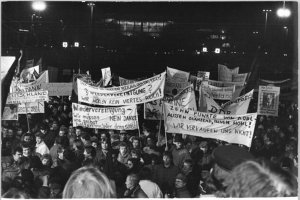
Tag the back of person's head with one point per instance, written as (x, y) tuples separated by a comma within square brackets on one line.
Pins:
[(15, 193), (90, 150), (260, 179), (16, 149), (79, 145), (88, 182)]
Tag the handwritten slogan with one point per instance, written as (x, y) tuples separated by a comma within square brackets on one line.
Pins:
[(135, 93), (25, 97), (237, 129), (119, 118), (33, 107)]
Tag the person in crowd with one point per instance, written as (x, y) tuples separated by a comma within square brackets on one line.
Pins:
[(78, 149), (192, 174), (49, 138), (133, 188), (53, 151), (149, 187), (124, 153), (103, 153), (11, 167), (181, 190), (40, 147), (28, 140), (133, 166), (260, 179), (164, 174), (34, 160), (78, 132), (179, 153), (88, 182), (14, 193), (89, 155)]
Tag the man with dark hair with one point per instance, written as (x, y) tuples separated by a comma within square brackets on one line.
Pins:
[(179, 153), (192, 175), (78, 132), (124, 153), (133, 188), (89, 155), (34, 160), (14, 159)]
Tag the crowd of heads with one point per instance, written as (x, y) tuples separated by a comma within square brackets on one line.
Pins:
[(45, 156)]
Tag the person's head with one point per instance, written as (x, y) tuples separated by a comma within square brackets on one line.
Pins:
[(123, 134), (10, 133), (94, 142), (78, 131), (180, 181), (135, 142), (60, 152), (123, 148), (104, 144), (135, 154), (85, 138), (203, 145), (26, 150), (14, 193), (78, 145), (103, 135), (19, 132), (39, 137), (276, 128), (17, 154), (46, 160), (62, 131), (187, 166), (71, 130), (88, 182), (89, 152), (132, 180), (178, 141), (27, 137), (260, 179), (55, 126), (29, 116), (269, 98), (167, 158)]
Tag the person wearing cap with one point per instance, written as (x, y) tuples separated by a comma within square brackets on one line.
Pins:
[(179, 153)]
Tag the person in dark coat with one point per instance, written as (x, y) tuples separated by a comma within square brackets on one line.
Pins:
[(134, 190)]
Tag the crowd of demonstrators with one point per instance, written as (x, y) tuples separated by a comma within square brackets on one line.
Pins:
[(54, 159)]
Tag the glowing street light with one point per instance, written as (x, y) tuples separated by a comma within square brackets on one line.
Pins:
[(266, 20), (76, 44), (283, 12), (38, 5), (65, 44), (217, 50)]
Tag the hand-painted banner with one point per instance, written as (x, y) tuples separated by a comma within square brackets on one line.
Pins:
[(106, 76), (239, 77), (173, 88), (58, 89), (239, 86), (32, 86), (6, 63), (135, 93), (177, 75), (33, 107), (186, 98), (27, 72), (10, 112), (119, 118), (237, 129), (124, 81), (225, 74), (204, 75), (238, 106), (222, 93), (26, 97), (84, 77), (268, 100), (196, 82)]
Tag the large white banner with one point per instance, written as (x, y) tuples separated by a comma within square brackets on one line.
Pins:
[(238, 106), (10, 112), (135, 93), (26, 97), (32, 86), (124, 81), (268, 100), (222, 93), (239, 86), (173, 88), (239, 77), (177, 75), (119, 118), (6, 63), (33, 107), (58, 89), (237, 129), (225, 74), (84, 77), (106, 76), (186, 98)]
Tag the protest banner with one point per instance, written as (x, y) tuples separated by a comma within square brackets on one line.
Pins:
[(238, 106), (106, 76), (33, 107), (186, 98), (25, 97), (225, 74), (124, 81), (268, 100), (84, 77), (10, 112), (6, 63), (118, 118), (239, 86), (27, 72), (134, 93), (177, 75), (173, 88), (237, 129), (204, 75), (239, 77), (196, 81), (285, 85), (32, 86), (222, 93), (58, 89)]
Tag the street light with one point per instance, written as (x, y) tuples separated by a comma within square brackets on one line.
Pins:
[(38, 5), (283, 12), (266, 20)]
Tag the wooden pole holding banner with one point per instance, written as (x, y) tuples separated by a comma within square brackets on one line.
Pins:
[(27, 118), (163, 109)]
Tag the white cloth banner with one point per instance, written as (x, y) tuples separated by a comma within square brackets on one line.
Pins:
[(237, 129), (32, 86), (118, 118), (25, 97), (124, 81), (33, 107), (27, 72), (238, 106), (186, 98), (239, 77), (225, 74), (106, 75), (58, 89), (6, 63), (177, 75), (222, 93), (239, 86), (173, 88), (10, 112), (135, 93), (268, 100), (84, 77)]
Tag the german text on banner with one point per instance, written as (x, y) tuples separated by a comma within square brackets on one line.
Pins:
[(237, 129), (239, 86), (173, 88), (58, 89), (239, 77), (124, 81), (10, 112), (33, 107), (225, 74), (186, 98), (268, 100), (26, 97), (84, 77), (238, 106), (119, 118), (177, 75), (32, 86), (222, 93), (106, 75), (135, 93)]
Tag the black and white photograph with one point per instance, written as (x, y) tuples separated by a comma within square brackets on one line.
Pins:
[(149, 99)]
